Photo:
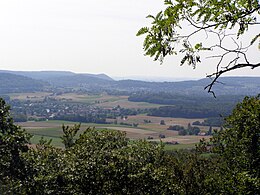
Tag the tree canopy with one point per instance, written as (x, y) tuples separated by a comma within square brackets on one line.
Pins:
[(239, 145), (221, 22)]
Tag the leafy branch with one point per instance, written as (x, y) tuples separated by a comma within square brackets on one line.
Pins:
[(217, 19)]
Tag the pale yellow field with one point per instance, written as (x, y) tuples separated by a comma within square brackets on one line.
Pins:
[(124, 103), (29, 96), (105, 101), (135, 133), (85, 98), (102, 100), (188, 139), (156, 120)]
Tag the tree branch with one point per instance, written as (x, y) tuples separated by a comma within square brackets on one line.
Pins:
[(217, 74)]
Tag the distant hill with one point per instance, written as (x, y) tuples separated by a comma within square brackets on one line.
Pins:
[(235, 85), (46, 75), (40, 75), (100, 76), (225, 86), (102, 82), (81, 80), (11, 83)]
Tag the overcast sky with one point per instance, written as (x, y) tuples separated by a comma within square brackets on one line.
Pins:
[(86, 36)]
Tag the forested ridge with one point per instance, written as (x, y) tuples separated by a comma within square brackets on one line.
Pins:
[(187, 106), (10, 83), (22, 81)]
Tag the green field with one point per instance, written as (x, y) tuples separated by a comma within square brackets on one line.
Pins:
[(53, 130), (169, 147)]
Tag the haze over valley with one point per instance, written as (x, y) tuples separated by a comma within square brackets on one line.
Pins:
[(99, 100)]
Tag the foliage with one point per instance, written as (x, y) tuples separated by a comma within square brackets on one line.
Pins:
[(46, 164), (175, 127), (100, 162), (239, 145), (212, 121), (114, 167), (69, 134), (162, 122), (191, 130), (13, 142), (241, 137), (176, 29)]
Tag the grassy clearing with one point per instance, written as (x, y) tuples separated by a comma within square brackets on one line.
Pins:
[(53, 133), (56, 141), (169, 147), (48, 132)]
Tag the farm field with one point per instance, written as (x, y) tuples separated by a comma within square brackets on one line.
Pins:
[(53, 130), (38, 96), (146, 126), (101, 100), (124, 103), (154, 123)]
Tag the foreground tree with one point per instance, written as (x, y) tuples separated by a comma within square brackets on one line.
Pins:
[(239, 147), (176, 29), (13, 143), (100, 162)]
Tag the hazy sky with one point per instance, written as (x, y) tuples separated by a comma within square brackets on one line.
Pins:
[(86, 36)]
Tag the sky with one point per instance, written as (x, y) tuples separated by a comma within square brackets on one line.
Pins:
[(86, 36)]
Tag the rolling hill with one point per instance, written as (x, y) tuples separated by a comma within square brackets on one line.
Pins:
[(11, 83), (24, 81)]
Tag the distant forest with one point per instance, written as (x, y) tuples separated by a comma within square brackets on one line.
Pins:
[(185, 106)]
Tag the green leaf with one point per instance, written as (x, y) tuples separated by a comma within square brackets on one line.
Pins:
[(142, 31), (198, 46)]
